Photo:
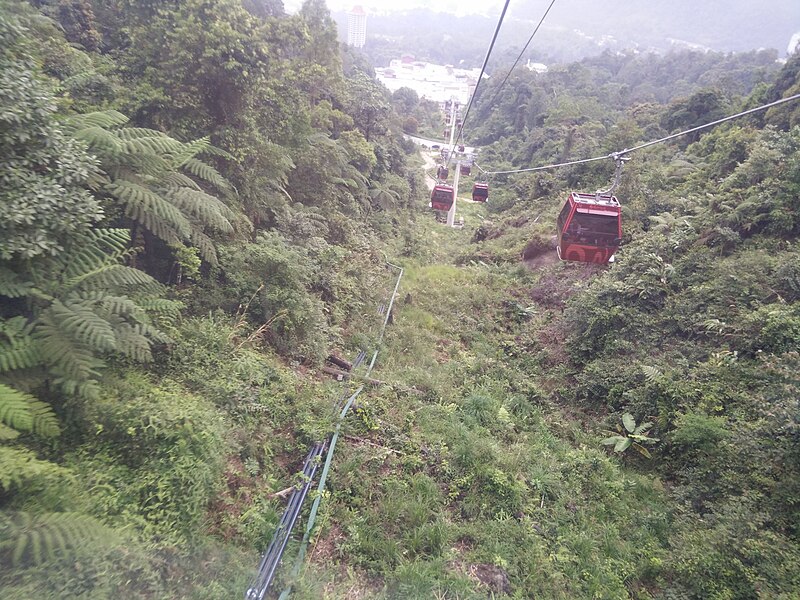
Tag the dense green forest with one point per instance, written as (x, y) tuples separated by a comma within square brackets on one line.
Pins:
[(199, 198)]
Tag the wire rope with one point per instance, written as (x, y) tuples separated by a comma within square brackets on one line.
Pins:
[(516, 62), (626, 151), (478, 84), (329, 458)]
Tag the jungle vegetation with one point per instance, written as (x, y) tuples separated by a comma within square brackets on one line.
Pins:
[(198, 199)]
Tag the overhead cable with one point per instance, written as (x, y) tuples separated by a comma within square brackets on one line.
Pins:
[(478, 84), (530, 39), (626, 151)]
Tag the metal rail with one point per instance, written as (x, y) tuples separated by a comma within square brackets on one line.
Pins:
[(271, 560)]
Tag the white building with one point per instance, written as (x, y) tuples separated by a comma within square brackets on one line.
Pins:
[(433, 82), (356, 27), (536, 67)]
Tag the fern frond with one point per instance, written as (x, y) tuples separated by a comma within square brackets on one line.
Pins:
[(175, 180), (23, 412), (11, 286), (79, 320), (15, 408), (18, 465), (189, 150), (113, 277), (652, 374), (207, 173), (205, 245), (7, 434), (106, 304), (160, 307), (73, 363), (33, 539), (151, 210), (17, 347), (45, 421), (214, 151), (208, 209), (158, 145), (104, 118), (138, 167), (102, 246), (135, 133), (132, 343), (23, 354), (98, 138), (151, 332)]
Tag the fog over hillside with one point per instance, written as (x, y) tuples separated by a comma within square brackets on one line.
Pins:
[(574, 28)]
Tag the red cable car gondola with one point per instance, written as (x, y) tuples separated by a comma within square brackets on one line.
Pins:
[(442, 172), (589, 228), (480, 192), (466, 168), (442, 196)]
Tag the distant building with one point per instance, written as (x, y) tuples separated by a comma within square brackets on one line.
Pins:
[(537, 67), (356, 27), (439, 83)]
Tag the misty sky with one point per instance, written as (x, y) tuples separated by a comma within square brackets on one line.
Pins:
[(493, 7), (767, 23), (460, 7)]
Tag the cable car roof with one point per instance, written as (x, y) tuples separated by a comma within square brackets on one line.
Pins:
[(595, 199)]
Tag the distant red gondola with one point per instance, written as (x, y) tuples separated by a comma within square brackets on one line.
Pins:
[(466, 169), (442, 173), (589, 228), (480, 192), (442, 196)]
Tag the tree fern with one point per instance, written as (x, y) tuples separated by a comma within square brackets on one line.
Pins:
[(106, 119), (205, 208), (23, 412), (85, 308), (17, 348), (29, 539), (18, 466), (73, 363), (206, 172), (11, 284), (101, 247), (155, 178), (151, 210)]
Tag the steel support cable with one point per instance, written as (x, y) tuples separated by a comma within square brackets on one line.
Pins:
[(272, 556), (329, 458), (261, 582), (269, 563), (626, 151), (478, 84), (516, 62), (312, 517)]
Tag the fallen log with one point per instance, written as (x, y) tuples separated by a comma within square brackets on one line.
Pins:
[(340, 362), (282, 493), (344, 374), (340, 373)]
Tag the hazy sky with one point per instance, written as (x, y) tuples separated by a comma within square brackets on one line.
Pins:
[(448, 6)]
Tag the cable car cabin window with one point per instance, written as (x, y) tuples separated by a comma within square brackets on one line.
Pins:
[(480, 192), (594, 228), (442, 197)]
